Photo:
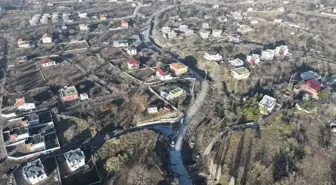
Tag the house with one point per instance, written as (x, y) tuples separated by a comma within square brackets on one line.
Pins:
[(222, 19), (179, 68), (35, 143), (236, 62), (277, 21), (24, 43), (131, 51), (204, 34), (253, 59), (133, 64), (120, 43), (69, 93), (172, 34), (163, 75), (281, 9), (234, 38), (82, 15), (205, 25), (213, 57), (46, 39), (33, 172), (84, 96), (165, 29), (237, 15), (310, 75), (244, 29), (281, 51), (175, 93), (216, 33), (189, 32), (207, 17), (254, 21), (46, 62), (124, 23), (74, 159), (22, 105), (183, 28), (240, 73), (267, 54), (152, 109), (267, 104), (312, 87), (83, 27), (102, 17)]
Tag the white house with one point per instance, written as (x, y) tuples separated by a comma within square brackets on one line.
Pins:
[(267, 104), (214, 57), (216, 33), (267, 55), (131, 51), (120, 43), (23, 43), (277, 21), (152, 109), (172, 34), (22, 105), (183, 28), (133, 64), (162, 75), (83, 27), (165, 29), (82, 15), (237, 15), (74, 159), (46, 62), (236, 62), (253, 59), (33, 172), (205, 25), (244, 29), (205, 34), (281, 9), (189, 32), (84, 96), (281, 51), (254, 21), (46, 39), (222, 19), (240, 73)]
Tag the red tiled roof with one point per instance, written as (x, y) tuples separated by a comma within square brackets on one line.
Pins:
[(162, 73), (44, 60), (314, 84), (133, 62), (19, 102)]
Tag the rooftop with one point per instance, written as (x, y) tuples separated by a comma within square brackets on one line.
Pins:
[(74, 155), (177, 65), (34, 168), (236, 62), (267, 101), (240, 70), (68, 91)]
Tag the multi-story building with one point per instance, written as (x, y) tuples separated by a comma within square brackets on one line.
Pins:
[(74, 159), (69, 93), (33, 172), (179, 68)]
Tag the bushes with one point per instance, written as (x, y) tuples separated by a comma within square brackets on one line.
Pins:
[(250, 110)]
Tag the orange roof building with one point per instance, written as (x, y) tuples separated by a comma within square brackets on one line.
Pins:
[(179, 68), (19, 102), (124, 23)]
